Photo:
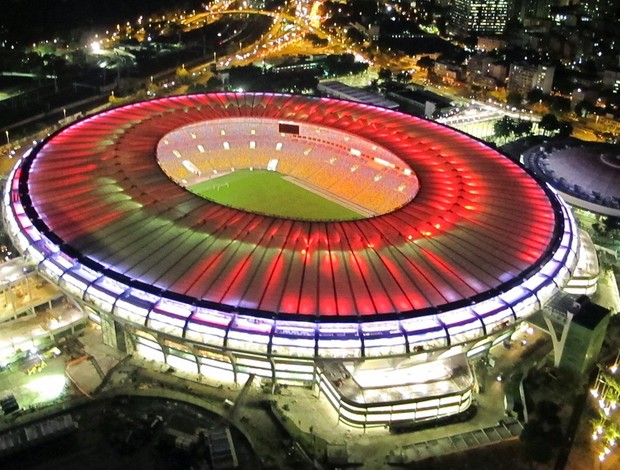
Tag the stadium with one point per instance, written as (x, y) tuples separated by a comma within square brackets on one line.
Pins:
[(394, 252), (585, 174)]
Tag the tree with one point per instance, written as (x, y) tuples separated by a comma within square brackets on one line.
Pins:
[(298, 82), (608, 226), (183, 75), (425, 62), (214, 83), (535, 95), (403, 76), (583, 108), (514, 98), (549, 123), (385, 75), (196, 88), (504, 128), (316, 40), (565, 129), (343, 64), (542, 434), (559, 104), (534, 439), (355, 36), (547, 412), (523, 127)]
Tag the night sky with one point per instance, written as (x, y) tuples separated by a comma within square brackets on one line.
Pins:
[(42, 19)]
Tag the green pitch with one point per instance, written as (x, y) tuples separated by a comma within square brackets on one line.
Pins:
[(267, 192)]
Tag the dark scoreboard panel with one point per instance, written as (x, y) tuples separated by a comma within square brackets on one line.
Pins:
[(285, 128)]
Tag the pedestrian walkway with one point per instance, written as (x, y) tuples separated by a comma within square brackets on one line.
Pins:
[(371, 448), (305, 414), (457, 443)]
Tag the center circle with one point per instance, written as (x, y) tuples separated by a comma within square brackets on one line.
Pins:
[(286, 169)]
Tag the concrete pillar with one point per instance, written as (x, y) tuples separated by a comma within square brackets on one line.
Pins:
[(558, 341)]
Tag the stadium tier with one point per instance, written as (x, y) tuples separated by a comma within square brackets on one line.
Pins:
[(470, 246), (314, 156)]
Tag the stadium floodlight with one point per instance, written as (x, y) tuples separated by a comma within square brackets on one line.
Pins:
[(272, 165), (47, 387)]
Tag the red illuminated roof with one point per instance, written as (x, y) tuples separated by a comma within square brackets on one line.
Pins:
[(477, 223)]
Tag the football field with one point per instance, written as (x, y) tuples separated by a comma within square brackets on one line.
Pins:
[(268, 192)]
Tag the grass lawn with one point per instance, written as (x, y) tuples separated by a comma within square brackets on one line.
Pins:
[(267, 192)]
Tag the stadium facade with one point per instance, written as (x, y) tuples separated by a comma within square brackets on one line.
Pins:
[(383, 314)]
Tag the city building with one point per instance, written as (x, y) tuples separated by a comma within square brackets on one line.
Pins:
[(600, 9), (449, 72), (523, 78), (577, 328), (382, 314), (490, 43), (340, 90), (297, 64), (485, 71), (479, 16), (585, 336), (611, 80), (540, 9), (422, 103)]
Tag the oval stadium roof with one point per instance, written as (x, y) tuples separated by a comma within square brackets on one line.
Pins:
[(478, 224)]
